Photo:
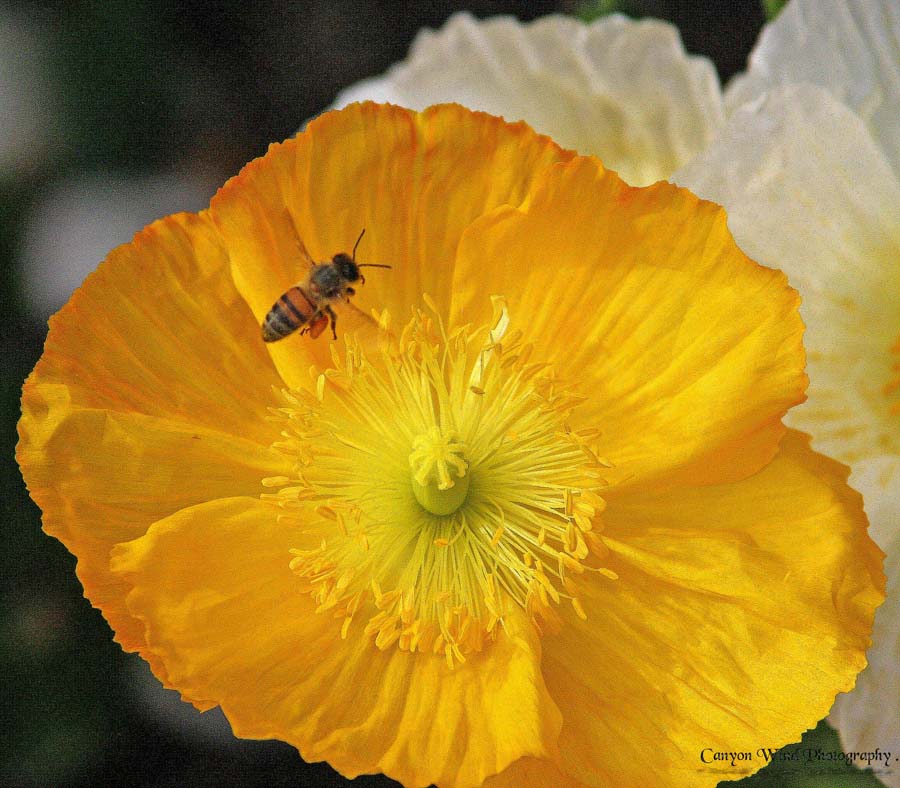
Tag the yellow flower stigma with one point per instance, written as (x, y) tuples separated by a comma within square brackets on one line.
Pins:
[(458, 484)]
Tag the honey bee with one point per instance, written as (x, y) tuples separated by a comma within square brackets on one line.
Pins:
[(307, 306)]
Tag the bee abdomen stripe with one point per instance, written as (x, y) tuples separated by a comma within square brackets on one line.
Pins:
[(290, 305), (305, 295), (278, 319)]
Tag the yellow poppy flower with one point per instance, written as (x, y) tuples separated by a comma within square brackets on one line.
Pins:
[(533, 515)]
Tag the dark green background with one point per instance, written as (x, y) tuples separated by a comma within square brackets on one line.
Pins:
[(148, 85)]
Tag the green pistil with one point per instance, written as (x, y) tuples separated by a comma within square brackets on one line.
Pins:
[(440, 479)]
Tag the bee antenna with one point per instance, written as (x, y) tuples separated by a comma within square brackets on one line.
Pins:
[(353, 256), (371, 265)]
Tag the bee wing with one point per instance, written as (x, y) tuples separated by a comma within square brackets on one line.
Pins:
[(354, 316), (301, 247)]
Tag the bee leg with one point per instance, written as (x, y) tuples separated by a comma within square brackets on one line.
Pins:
[(333, 317), (350, 291)]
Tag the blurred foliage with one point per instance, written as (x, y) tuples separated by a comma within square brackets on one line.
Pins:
[(590, 10), (154, 83), (773, 7)]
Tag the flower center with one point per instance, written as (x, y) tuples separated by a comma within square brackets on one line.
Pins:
[(438, 482), (437, 457)]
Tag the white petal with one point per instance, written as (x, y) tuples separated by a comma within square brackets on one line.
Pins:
[(625, 91), (807, 190), (850, 48), (869, 717)]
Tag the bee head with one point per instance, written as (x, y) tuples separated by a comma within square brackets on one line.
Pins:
[(346, 267)]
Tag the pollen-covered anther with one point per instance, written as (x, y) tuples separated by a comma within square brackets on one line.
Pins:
[(438, 483)]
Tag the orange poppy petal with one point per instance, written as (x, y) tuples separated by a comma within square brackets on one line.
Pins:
[(147, 399), (728, 601), (688, 353), (532, 773), (160, 329), (231, 624), (413, 181)]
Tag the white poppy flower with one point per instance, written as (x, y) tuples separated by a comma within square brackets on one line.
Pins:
[(622, 90), (808, 167)]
